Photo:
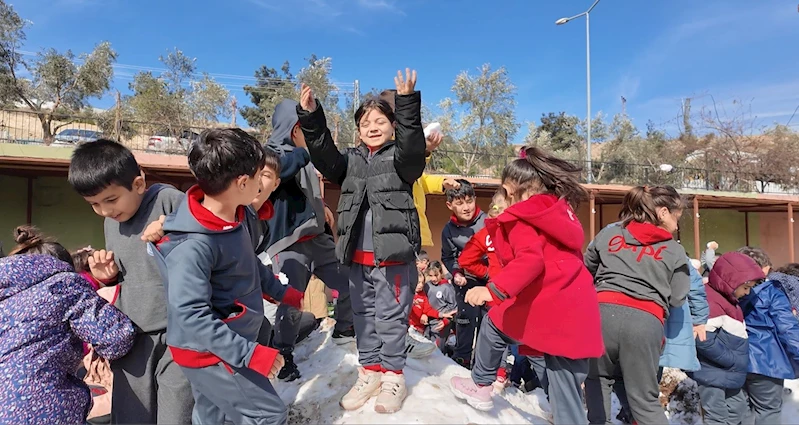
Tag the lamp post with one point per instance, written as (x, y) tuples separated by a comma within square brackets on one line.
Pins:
[(562, 21)]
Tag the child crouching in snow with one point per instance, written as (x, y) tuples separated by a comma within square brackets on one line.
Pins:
[(378, 229), (544, 295), (417, 346)]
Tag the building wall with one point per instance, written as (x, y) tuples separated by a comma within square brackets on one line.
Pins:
[(13, 208), (60, 212), (773, 229)]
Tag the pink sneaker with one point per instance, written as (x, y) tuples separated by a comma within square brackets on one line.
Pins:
[(477, 397)]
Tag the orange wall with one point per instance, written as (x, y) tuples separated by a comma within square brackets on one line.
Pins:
[(774, 236)]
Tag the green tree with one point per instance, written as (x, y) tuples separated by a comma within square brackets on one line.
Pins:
[(175, 100), (60, 84), (271, 87), (480, 122)]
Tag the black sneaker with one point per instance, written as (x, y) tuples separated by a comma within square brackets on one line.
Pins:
[(290, 372), (624, 417), (344, 337), (463, 362)]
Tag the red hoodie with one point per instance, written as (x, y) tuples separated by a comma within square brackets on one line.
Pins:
[(472, 259), (421, 306), (546, 297)]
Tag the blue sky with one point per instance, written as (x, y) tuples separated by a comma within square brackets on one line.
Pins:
[(652, 53)]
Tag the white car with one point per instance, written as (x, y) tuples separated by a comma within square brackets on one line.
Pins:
[(168, 142)]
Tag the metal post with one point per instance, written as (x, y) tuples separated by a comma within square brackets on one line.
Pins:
[(588, 96), (697, 249), (592, 214), (791, 240)]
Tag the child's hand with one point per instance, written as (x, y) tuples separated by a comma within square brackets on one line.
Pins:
[(405, 85), (438, 327), (432, 142), (449, 315), (713, 245), (102, 265), (450, 183), (330, 219), (307, 101), (425, 320), (478, 296), (154, 231), (699, 332), (276, 366), (459, 279)]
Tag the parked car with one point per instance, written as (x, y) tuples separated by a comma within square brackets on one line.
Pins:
[(73, 136), (169, 142)]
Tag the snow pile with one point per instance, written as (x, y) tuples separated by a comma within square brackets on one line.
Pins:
[(328, 372)]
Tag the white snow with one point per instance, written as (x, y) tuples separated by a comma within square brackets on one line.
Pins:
[(328, 372)]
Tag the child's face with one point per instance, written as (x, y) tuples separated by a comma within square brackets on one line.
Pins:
[(420, 285), (421, 265), (375, 129), (117, 202), (463, 208), (744, 289), (669, 220), (247, 188), (433, 275), (269, 182)]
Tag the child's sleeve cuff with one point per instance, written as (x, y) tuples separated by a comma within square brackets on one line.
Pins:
[(262, 360), (293, 298)]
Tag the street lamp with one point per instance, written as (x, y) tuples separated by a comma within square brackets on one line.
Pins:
[(563, 21)]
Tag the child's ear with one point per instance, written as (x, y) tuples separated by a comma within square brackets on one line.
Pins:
[(139, 184), (449, 205), (277, 182), (241, 182)]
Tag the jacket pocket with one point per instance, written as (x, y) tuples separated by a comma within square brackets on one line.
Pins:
[(345, 202), (238, 312)]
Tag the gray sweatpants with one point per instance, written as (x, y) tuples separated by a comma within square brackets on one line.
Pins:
[(316, 256), (722, 407), (633, 344), (241, 397), (149, 387), (564, 376), (381, 302), (765, 398)]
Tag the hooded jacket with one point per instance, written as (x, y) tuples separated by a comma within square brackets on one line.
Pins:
[(421, 306), (299, 209), (772, 329), (479, 258), (454, 238), (545, 296), (724, 355), (426, 185), (46, 312), (215, 288), (680, 349), (641, 262), (790, 285), (379, 183)]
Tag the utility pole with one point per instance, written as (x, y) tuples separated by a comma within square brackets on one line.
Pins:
[(355, 104), (118, 118), (234, 110), (624, 106)]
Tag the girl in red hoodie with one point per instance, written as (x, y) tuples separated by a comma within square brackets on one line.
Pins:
[(640, 272), (545, 298)]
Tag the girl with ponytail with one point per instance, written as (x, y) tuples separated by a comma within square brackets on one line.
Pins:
[(46, 312), (543, 296), (641, 272)]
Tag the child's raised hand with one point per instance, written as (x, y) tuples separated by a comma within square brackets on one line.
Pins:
[(713, 245), (103, 266), (276, 366), (307, 101), (478, 296), (432, 142), (424, 319), (154, 231), (405, 85)]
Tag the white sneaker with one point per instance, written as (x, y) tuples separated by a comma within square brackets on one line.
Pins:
[(417, 346), (366, 387), (392, 393)]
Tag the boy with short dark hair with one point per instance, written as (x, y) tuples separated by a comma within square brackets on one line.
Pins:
[(148, 386), (467, 219), (422, 261), (297, 243), (215, 283)]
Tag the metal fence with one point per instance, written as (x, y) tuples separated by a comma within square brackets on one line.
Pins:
[(25, 127)]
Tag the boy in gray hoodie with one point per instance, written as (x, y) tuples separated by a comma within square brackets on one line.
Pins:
[(215, 284), (298, 244), (148, 386)]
